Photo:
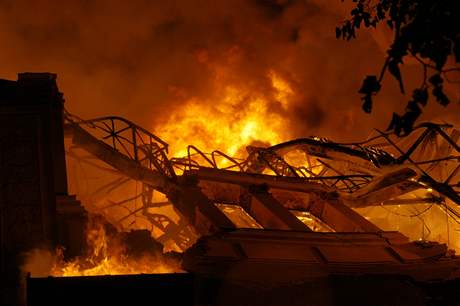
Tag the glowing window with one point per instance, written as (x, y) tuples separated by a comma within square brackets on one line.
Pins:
[(238, 216), (311, 221)]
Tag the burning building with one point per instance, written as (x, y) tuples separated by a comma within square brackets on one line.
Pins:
[(298, 222)]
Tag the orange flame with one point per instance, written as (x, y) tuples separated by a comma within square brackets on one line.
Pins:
[(108, 256), (237, 117)]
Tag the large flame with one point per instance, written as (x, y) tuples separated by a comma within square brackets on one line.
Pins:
[(233, 119), (107, 255)]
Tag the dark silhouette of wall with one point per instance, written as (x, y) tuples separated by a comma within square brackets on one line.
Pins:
[(32, 172)]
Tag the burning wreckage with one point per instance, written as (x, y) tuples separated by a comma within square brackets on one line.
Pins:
[(265, 212), (301, 210)]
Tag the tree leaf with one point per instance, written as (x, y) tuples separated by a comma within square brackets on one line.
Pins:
[(436, 79), (441, 97), (370, 85), (395, 124), (412, 107), (338, 32), (367, 103), (420, 95), (428, 30), (393, 67)]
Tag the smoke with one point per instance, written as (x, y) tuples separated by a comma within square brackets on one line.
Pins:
[(39, 262), (144, 59)]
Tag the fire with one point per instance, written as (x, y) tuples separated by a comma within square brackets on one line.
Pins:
[(283, 91), (230, 121), (108, 256), (235, 117)]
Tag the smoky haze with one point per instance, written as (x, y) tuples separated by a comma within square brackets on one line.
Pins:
[(144, 59)]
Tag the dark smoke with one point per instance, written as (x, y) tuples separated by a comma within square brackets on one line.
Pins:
[(142, 59)]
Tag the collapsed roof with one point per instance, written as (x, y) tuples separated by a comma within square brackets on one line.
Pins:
[(304, 185)]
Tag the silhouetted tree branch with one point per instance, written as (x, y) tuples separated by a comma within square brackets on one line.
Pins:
[(427, 30)]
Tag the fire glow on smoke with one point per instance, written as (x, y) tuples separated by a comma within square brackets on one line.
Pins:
[(235, 118)]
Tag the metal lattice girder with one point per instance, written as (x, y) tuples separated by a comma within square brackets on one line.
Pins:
[(189, 201), (357, 174), (171, 230), (384, 187), (260, 158), (127, 166), (128, 139)]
